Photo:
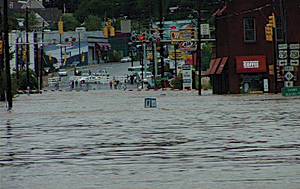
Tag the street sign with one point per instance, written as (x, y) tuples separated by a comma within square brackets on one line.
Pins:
[(290, 91), (282, 46), (283, 54), (294, 54), (289, 76), (294, 62), (282, 62), (205, 29), (187, 76), (288, 84), (289, 68)]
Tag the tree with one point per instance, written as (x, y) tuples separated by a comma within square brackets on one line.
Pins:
[(23, 80), (93, 23), (32, 21), (70, 22)]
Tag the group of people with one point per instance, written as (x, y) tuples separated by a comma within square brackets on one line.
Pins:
[(117, 84), (78, 84)]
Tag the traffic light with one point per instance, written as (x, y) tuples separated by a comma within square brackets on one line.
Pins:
[(193, 34), (1, 46), (269, 33), (105, 31), (108, 30), (82, 57), (141, 38), (133, 38), (144, 37), (158, 39), (272, 22), (60, 27), (50, 57), (150, 39)]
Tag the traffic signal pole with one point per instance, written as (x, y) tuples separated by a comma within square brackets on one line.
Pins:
[(199, 47), (274, 48), (7, 58), (161, 37)]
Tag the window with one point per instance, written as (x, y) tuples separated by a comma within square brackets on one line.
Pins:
[(280, 31), (11, 5), (249, 30)]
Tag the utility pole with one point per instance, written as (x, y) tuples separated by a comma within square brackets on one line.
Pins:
[(41, 58), (161, 35), (274, 50), (7, 60), (199, 46), (27, 48), (2, 91)]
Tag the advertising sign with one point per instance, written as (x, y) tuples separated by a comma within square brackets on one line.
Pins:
[(168, 28), (187, 76)]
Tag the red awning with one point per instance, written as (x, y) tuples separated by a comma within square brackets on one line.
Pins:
[(251, 64), (103, 46), (222, 10), (212, 61), (221, 67), (217, 11), (215, 66)]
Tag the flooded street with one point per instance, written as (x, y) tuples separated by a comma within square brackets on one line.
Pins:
[(107, 139)]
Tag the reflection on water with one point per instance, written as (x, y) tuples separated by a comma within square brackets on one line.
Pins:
[(107, 139)]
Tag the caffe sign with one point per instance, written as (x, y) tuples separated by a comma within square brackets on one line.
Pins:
[(251, 64)]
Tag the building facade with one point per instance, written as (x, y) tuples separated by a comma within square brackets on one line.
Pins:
[(245, 61)]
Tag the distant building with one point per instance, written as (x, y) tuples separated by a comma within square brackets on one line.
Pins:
[(48, 16), (244, 58)]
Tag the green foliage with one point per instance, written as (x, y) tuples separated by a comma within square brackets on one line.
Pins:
[(70, 22), (207, 47), (117, 55), (176, 83), (14, 23), (23, 80), (93, 23)]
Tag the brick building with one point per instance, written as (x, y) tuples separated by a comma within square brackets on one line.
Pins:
[(244, 60)]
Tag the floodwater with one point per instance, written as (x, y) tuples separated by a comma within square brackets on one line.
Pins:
[(107, 139)]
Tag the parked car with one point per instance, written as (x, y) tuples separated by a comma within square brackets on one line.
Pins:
[(126, 59), (47, 70), (78, 70), (86, 72), (92, 79), (62, 72), (102, 73)]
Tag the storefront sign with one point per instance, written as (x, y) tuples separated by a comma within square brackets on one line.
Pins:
[(251, 64)]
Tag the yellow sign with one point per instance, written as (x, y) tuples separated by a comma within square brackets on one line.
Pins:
[(271, 70), (150, 56), (188, 57), (179, 54)]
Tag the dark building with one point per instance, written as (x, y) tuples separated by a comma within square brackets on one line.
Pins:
[(244, 58)]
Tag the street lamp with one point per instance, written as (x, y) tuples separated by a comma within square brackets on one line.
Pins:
[(79, 30)]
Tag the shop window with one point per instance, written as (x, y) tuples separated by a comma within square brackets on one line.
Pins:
[(280, 30), (249, 30)]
